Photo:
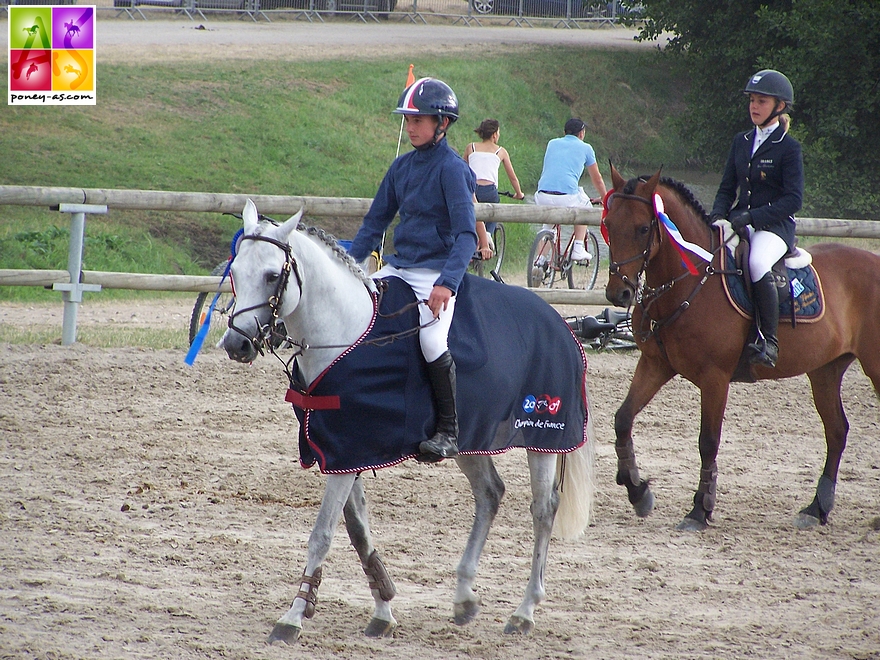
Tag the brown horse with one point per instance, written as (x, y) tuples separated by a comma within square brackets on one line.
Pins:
[(685, 325)]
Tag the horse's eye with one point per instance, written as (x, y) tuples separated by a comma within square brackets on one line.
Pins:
[(644, 229), (272, 278)]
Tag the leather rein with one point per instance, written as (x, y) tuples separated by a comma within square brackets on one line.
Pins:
[(268, 336)]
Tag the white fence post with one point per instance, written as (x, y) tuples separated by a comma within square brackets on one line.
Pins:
[(72, 292)]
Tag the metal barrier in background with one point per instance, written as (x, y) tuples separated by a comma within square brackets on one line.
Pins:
[(559, 13)]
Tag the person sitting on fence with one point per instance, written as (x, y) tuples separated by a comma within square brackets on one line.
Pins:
[(485, 158), (767, 166), (564, 163), (432, 188)]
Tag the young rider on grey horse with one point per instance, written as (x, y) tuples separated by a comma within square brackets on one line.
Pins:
[(432, 188)]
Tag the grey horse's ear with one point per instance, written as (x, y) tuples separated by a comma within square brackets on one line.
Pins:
[(290, 224), (250, 216)]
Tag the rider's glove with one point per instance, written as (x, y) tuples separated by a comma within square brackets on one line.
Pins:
[(739, 219), (715, 217)]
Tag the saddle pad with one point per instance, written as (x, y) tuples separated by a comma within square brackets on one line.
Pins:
[(521, 382), (807, 299)]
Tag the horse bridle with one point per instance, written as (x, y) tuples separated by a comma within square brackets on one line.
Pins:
[(274, 301), (645, 255), (265, 332), (642, 292)]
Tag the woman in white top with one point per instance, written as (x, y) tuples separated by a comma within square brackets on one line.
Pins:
[(485, 157)]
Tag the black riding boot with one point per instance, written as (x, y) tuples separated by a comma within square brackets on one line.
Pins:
[(444, 444), (767, 313)]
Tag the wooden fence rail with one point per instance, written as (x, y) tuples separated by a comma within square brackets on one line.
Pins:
[(79, 201)]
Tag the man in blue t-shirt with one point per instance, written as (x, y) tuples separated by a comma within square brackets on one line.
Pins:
[(432, 188), (564, 163)]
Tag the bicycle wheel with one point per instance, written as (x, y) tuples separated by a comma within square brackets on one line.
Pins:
[(485, 267), (203, 303), (500, 241), (542, 259), (583, 274)]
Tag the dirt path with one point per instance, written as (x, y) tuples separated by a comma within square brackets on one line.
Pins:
[(156, 40), (152, 510)]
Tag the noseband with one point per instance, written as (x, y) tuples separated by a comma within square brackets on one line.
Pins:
[(274, 301)]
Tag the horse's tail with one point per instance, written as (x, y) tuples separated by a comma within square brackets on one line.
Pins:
[(577, 486)]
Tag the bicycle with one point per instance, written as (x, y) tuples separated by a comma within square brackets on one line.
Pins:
[(221, 309), (491, 267), (610, 330), (547, 260)]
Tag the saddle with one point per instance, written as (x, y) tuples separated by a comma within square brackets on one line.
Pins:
[(801, 299)]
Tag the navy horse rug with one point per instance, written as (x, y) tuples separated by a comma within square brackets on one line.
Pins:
[(802, 300), (521, 382)]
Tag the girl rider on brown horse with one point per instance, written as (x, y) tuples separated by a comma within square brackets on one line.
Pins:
[(765, 167)]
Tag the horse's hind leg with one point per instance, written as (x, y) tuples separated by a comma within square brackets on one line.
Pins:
[(825, 382), (545, 503), (488, 490), (651, 374), (288, 628), (357, 523)]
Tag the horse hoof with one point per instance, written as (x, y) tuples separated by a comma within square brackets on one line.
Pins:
[(516, 625), (645, 505), (379, 628), (805, 521), (691, 525), (464, 613), (285, 633)]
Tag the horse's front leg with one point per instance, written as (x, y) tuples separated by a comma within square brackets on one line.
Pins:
[(545, 503), (651, 374), (713, 401), (336, 494), (488, 490), (357, 523)]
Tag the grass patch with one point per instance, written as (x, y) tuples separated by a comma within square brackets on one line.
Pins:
[(299, 128)]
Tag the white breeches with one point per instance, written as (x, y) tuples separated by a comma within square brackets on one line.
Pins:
[(767, 248), (433, 338)]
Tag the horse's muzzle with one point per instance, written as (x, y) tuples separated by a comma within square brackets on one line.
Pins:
[(238, 347), (619, 294)]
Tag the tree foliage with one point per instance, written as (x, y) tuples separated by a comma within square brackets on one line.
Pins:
[(829, 49)]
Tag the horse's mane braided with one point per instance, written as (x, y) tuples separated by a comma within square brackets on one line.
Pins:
[(683, 191), (330, 241)]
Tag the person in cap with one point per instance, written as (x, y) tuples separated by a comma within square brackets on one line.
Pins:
[(761, 189), (432, 189), (564, 162)]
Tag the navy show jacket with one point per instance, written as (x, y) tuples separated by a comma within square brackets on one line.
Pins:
[(770, 183)]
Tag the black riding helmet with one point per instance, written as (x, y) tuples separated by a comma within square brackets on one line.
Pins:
[(771, 83), (429, 96)]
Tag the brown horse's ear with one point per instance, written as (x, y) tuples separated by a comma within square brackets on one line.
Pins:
[(617, 181), (651, 186)]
